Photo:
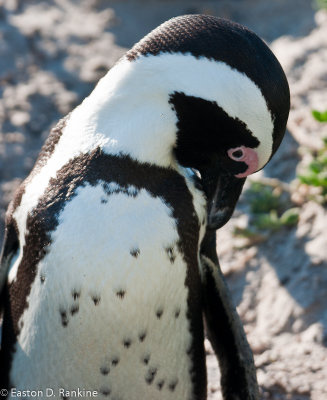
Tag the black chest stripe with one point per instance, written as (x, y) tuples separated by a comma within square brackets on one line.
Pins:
[(45, 153), (90, 169)]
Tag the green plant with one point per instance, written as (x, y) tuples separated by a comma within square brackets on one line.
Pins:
[(270, 210), (316, 172), (318, 115), (321, 4), (274, 222), (262, 198)]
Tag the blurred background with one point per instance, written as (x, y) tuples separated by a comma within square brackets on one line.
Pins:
[(274, 250)]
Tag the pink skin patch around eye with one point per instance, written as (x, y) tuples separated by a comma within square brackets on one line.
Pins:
[(248, 156)]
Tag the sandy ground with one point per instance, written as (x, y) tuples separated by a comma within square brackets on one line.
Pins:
[(52, 54)]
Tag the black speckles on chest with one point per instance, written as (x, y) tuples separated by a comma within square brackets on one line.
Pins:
[(150, 375), (76, 294), (105, 391), (135, 252), (115, 361), (74, 309), (171, 254), (160, 384), (159, 312), (121, 294), (96, 299), (104, 370), (142, 336), (121, 172), (127, 342), (64, 317), (146, 358)]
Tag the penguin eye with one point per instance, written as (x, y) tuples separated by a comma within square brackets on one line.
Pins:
[(236, 154)]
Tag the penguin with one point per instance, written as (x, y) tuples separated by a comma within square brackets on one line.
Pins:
[(109, 263)]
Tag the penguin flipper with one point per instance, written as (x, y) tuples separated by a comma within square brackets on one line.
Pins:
[(9, 249), (225, 330)]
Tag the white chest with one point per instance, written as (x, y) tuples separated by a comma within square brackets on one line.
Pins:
[(107, 310)]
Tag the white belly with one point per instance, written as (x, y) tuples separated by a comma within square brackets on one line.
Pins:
[(107, 309)]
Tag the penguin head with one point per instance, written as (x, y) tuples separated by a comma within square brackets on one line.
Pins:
[(216, 100)]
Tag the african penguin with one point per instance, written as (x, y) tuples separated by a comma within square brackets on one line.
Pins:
[(109, 260)]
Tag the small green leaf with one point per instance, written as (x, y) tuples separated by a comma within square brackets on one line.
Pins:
[(261, 198), (267, 202), (290, 217), (244, 232), (318, 115), (268, 221), (316, 166), (313, 180)]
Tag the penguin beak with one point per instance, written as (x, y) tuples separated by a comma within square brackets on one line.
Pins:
[(222, 190)]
